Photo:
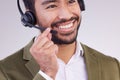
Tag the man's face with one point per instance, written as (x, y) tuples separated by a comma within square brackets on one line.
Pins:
[(62, 16)]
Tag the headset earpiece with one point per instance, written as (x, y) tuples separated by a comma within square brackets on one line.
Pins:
[(81, 4), (28, 17)]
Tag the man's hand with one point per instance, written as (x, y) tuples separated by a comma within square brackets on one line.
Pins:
[(44, 52)]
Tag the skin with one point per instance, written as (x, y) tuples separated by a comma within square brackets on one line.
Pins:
[(44, 50)]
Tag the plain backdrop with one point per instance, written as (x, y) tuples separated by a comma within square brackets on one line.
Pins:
[(100, 28)]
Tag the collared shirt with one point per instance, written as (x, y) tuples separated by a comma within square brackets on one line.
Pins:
[(75, 69)]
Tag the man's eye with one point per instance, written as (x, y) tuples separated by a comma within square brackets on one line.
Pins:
[(51, 6), (72, 1)]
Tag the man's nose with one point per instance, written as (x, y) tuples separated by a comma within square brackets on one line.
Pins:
[(65, 13)]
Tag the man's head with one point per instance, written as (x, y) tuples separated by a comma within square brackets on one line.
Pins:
[(63, 16)]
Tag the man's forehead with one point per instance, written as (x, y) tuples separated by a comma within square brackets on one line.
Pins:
[(43, 2), (48, 1)]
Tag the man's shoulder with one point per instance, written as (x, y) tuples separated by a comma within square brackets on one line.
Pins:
[(101, 64), (105, 63), (15, 66), (99, 55), (12, 59), (18, 55)]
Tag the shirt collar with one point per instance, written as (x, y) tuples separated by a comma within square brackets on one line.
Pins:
[(79, 49)]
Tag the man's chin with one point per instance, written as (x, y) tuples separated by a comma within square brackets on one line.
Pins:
[(59, 41), (63, 42)]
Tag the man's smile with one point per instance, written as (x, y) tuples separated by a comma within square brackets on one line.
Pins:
[(65, 27)]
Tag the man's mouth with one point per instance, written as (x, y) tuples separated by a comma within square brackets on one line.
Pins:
[(66, 26)]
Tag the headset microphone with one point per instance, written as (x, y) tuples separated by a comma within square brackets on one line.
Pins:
[(28, 19)]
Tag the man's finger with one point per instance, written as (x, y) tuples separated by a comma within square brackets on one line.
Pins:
[(44, 34)]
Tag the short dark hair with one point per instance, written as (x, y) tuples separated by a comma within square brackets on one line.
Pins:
[(29, 4)]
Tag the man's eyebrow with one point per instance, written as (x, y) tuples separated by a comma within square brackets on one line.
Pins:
[(48, 1)]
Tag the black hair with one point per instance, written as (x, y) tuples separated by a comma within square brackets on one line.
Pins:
[(29, 4)]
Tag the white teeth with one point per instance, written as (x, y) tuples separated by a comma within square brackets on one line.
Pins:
[(66, 26)]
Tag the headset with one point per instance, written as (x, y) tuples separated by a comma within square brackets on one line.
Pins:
[(28, 18)]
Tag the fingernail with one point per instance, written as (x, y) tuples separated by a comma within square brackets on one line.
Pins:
[(48, 29)]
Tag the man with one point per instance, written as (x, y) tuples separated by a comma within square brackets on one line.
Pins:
[(58, 56)]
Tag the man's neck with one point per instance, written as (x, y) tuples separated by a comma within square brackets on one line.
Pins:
[(66, 51)]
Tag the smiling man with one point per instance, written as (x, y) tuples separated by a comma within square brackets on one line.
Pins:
[(57, 56)]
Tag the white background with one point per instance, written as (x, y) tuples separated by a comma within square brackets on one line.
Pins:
[(100, 28)]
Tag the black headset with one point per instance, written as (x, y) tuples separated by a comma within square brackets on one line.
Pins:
[(29, 20)]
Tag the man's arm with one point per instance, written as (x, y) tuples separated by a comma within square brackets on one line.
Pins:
[(38, 77), (44, 75), (118, 66), (2, 75)]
